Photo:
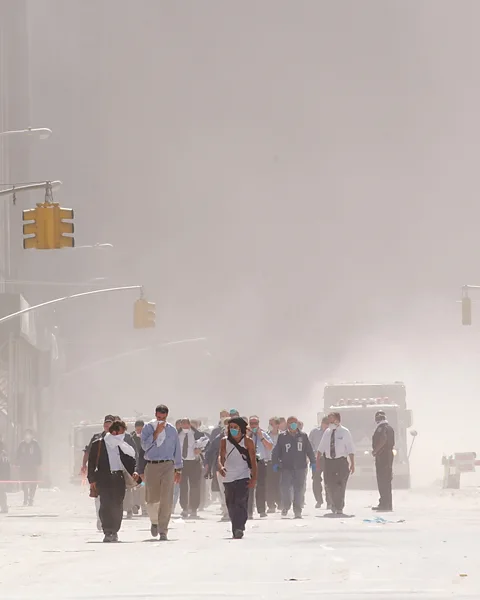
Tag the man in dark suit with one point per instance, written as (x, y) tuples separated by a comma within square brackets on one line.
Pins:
[(383, 442), (109, 458)]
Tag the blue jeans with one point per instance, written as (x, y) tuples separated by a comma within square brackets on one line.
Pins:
[(293, 485)]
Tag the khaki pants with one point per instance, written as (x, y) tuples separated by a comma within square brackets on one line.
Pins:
[(159, 493)]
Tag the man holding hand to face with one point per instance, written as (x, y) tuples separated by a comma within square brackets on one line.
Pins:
[(163, 457)]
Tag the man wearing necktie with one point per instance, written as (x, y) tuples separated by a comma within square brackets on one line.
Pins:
[(192, 442), (336, 447), (263, 450)]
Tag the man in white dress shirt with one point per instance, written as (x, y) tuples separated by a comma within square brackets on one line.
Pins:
[(192, 442), (336, 446)]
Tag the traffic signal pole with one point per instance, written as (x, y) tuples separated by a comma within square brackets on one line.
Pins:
[(71, 297), (43, 185)]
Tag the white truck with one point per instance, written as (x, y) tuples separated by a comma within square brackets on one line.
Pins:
[(357, 403)]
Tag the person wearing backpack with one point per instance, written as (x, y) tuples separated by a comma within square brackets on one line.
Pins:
[(237, 464)]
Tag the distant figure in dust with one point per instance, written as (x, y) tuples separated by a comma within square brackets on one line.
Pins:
[(4, 476), (29, 460)]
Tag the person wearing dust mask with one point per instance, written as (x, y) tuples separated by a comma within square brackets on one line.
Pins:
[(336, 446), (192, 442), (163, 456), (108, 461), (237, 465), (290, 457)]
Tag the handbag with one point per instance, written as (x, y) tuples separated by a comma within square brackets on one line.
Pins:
[(94, 491), (130, 482)]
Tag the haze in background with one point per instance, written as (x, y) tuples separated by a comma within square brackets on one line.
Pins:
[(295, 181)]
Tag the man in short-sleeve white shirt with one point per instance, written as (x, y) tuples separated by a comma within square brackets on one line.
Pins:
[(336, 446)]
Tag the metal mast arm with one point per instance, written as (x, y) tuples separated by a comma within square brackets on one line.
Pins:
[(57, 300)]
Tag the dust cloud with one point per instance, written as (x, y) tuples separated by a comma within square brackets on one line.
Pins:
[(294, 181)]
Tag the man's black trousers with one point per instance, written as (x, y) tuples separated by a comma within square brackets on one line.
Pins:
[(111, 490), (336, 476), (384, 468)]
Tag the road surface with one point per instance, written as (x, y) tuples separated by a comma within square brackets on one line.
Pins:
[(54, 551)]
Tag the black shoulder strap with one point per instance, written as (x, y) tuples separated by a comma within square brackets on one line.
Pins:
[(100, 442), (243, 451)]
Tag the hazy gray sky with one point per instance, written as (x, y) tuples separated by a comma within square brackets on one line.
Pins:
[(295, 180)]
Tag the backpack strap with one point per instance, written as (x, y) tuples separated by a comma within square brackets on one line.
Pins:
[(243, 451)]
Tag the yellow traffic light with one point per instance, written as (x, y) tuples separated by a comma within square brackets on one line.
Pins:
[(35, 228), (47, 229), (63, 230), (143, 314), (466, 311)]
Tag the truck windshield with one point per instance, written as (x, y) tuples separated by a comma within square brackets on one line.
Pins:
[(361, 423)]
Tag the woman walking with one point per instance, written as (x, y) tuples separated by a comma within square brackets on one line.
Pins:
[(108, 460), (237, 464)]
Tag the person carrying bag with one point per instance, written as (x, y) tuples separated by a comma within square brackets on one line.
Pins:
[(238, 467), (111, 464)]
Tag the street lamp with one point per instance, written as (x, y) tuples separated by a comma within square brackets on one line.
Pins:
[(42, 132)]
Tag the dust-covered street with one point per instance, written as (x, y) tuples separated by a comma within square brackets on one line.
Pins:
[(425, 550)]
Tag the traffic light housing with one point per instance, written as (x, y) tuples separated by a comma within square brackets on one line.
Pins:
[(143, 314), (466, 310), (47, 227), (63, 229), (36, 228)]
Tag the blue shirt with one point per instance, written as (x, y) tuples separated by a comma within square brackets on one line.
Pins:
[(169, 450), (260, 449), (315, 437)]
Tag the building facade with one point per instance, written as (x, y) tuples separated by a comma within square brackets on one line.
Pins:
[(25, 342)]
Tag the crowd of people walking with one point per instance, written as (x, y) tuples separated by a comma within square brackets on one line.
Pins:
[(250, 467)]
